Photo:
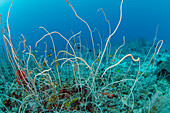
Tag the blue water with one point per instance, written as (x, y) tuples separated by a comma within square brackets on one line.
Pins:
[(140, 18)]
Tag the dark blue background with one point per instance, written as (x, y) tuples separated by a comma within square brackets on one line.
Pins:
[(140, 18)]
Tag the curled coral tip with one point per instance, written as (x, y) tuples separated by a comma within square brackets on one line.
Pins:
[(67, 2)]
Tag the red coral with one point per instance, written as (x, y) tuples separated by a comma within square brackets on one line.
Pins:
[(21, 77)]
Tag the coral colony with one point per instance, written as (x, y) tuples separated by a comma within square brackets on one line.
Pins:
[(128, 78)]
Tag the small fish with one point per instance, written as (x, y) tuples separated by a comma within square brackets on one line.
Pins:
[(58, 64), (52, 49), (90, 50), (140, 72), (36, 51), (153, 63), (68, 64), (110, 55), (43, 78), (34, 54), (112, 86), (30, 72), (44, 63), (97, 59), (50, 54)]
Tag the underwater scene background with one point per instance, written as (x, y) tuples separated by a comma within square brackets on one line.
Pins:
[(73, 56)]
